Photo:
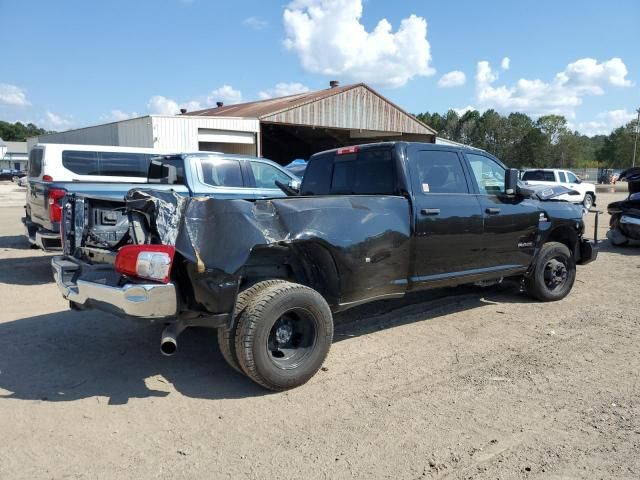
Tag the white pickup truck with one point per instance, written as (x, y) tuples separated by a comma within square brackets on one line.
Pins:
[(566, 178)]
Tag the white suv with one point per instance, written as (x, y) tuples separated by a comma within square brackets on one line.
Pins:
[(551, 176), (52, 162)]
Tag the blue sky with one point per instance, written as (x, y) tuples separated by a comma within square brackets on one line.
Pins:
[(69, 63)]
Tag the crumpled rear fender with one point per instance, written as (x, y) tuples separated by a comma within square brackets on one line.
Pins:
[(368, 238)]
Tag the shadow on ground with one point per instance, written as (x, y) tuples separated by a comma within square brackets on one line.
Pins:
[(632, 249), (423, 306), (34, 270), (15, 241), (69, 355)]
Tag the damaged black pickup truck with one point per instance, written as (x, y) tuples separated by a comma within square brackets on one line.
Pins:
[(369, 222)]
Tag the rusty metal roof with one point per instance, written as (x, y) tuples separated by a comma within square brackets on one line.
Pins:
[(360, 107)]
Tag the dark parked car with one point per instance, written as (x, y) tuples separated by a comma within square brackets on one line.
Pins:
[(10, 174), (371, 222)]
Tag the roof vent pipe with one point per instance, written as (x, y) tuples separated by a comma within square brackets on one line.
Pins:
[(183, 111), (219, 104), (334, 83)]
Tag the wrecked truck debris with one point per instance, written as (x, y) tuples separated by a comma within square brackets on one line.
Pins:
[(624, 224)]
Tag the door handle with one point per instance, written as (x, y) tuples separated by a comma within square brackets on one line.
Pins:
[(492, 211), (430, 211)]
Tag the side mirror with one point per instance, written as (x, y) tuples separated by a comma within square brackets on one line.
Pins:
[(295, 184), (511, 181)]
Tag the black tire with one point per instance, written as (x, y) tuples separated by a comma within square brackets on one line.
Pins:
[(588, 201), (227, 336), (284, 335), (553, 274)]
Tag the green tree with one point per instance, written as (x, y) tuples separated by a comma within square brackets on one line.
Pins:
[(617, 148), (18, 132)]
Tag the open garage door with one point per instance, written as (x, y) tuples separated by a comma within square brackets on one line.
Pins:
[(225, 141), (284, 143)]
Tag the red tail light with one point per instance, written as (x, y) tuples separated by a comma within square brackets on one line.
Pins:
[(55, 203), (146, 261), (347, 150), (47, 178)]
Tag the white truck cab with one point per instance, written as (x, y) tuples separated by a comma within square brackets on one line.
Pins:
[(552, 176)]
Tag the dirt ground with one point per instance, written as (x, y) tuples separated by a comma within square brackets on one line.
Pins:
[(456, 383)]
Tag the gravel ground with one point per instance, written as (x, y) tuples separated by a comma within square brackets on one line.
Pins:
[(454, 383)]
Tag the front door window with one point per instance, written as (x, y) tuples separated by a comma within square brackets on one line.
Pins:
[(489, 175)]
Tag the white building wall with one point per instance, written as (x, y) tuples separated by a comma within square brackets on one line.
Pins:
[(166, 133), (183, 133)]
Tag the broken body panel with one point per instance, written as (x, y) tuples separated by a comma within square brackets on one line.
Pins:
[(625, 214)]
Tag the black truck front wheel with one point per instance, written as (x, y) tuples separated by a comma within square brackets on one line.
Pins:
[(553, 274), (284, 335), (227, 336)]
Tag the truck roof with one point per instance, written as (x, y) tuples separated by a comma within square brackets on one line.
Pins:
[(546, 170), (427, 146)]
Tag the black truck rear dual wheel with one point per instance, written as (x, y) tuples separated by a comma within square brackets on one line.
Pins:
[(284, 335), (553, 274), (227, 336)]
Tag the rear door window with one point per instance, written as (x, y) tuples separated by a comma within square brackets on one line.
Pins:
[(539, 176), (111, 164), (81, 163), (440, 172), (123, 164), (222, 173), (35, 162), (562, 177)]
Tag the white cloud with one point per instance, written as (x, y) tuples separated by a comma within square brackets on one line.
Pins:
[(13, 95), (118, 115), (52, 121), (160, 105), (463, 110), (257, 23), (505, 64), (589, 76), (226, 94), (330, 39), (452, 79), (283, 89), (606, 122), (560, 96)]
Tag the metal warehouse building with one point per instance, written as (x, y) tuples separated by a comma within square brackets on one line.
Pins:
[(281, 129)]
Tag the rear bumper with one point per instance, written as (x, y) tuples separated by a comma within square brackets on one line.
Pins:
[(44, 239), (588, 252), (97, 289)]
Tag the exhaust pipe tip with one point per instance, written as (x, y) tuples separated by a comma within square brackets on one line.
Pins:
[(168, 347), (169, 341)]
